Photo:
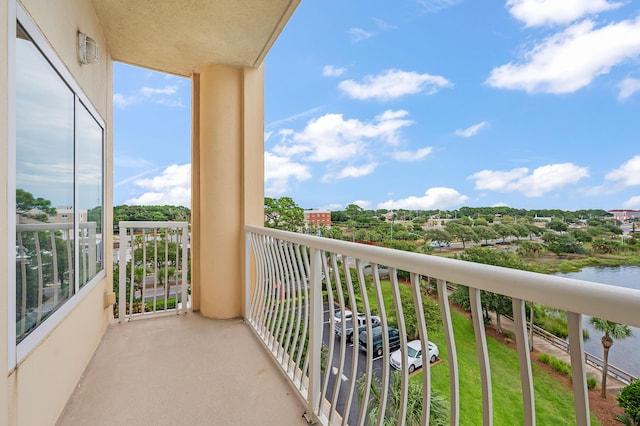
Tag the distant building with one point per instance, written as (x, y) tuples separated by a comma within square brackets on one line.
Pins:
[(625, 215), (317, 218)]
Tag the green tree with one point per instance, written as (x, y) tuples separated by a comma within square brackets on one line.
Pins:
[(580, 236), (438, 235), (600, 245), (520, 230), (497, 303), (354, 212), (34, 208), (283, 213), (629, 399), (438, 414), (485, 233), (565, 243), (612, 331), (503, 231), (462, 232), (333, 232), (557, 225), (530, 249), (534, 230)]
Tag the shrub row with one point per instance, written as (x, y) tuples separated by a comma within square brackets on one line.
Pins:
[(563, 367)]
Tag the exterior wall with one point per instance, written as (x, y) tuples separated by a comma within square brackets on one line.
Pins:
[(36, 390), (318, 217), (6, 19), (228, 169)]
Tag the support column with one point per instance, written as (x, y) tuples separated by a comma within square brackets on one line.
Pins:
[(228, 182)]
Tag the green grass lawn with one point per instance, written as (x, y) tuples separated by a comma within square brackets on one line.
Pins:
[(553, 400)]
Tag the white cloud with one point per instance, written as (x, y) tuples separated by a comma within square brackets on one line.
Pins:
[(279, 171), (333, 138), (331, 71), (166, 90), (172, 187), (632, 203), (333, 207), (556, 12), (628, 173), (351, 172), (366, 205), (358, 34), (383, 25), (122, 101), (392, 84), (628, 87), (434, 198), (295, 117), (433, 6), (159, 95), (542, 180), (569, 60), (412, 155), (471, 130)]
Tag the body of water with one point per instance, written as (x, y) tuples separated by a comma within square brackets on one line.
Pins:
[(623, 353)]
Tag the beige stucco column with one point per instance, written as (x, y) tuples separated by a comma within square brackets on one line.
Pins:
[(227, 183)]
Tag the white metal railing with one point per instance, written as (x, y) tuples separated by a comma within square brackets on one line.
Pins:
[(45, 267), (287, 274), (590, 359), (153, 263)]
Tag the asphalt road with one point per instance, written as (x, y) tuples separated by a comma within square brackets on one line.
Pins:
[(377, 366)]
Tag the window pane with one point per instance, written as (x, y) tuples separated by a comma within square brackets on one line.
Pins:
[(90, 188), (44, 188)]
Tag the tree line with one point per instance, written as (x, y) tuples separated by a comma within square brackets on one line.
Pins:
[(150, 213)]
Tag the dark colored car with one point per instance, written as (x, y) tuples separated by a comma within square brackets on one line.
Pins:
[(376, 337), (362, 325)]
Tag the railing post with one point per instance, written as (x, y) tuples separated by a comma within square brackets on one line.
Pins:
[(247, 275), (92, 248), (524, 361), (122, 266), (185, 267), (315, 332), (578, 376), (483, 356)]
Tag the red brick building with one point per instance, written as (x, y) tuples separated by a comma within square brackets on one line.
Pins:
[(317, 218)]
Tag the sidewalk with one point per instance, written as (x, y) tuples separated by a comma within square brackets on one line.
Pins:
[(542, 345)]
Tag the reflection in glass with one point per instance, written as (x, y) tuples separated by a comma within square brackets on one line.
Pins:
[(90, 187), (50, 123)]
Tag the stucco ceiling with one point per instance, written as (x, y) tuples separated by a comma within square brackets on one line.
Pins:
[(179, 36)]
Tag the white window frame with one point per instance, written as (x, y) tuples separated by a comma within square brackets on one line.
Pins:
[(18, 351)]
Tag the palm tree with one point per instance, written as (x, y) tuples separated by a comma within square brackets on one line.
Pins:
[(612, 330), (439, 408)]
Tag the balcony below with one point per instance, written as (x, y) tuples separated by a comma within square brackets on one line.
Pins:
[(182, 369)]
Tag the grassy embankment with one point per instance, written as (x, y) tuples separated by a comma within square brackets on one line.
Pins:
[(554, 401)]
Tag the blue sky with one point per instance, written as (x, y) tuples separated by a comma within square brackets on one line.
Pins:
[(432, 104)]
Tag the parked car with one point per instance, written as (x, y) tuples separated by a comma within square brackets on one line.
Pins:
[(361, 321), (337, 315), (376, 338), (414, 355), (439, 244)]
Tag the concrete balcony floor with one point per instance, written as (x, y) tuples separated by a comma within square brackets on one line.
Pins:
[(182, 370)]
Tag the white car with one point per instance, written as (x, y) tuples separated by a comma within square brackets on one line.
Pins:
[(414, 355), (337, 315)]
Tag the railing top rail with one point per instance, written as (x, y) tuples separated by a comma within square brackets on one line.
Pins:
[(46, 226), (600, 300), (152, 224)]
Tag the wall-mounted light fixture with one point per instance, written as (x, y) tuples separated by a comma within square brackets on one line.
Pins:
[(87, 49)]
